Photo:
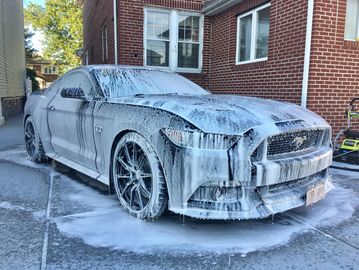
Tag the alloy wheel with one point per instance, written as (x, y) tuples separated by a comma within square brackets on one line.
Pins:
[(133, 179)]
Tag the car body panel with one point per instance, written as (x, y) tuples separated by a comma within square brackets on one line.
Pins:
[(86, 142)]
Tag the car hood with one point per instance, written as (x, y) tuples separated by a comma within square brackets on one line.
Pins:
[(229, 114)]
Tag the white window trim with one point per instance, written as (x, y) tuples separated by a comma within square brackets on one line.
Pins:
[(355, 39), (254, 13), (173, 47), (104, 43)]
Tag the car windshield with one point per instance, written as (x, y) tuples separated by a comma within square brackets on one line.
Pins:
[(125, 82)]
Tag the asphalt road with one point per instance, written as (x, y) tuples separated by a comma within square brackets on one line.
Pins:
[(53, 218)]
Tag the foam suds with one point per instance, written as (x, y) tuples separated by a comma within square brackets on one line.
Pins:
[(106, 224), (8, 206), (116, 229)]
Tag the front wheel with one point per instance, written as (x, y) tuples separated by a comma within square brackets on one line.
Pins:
[(138, 177)]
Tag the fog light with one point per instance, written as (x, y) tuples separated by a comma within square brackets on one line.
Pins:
[(219, 193)]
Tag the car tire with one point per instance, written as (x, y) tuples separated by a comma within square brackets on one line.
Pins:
[(33, 142), (138, 177)]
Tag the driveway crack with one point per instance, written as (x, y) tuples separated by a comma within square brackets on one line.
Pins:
[(47, 223)]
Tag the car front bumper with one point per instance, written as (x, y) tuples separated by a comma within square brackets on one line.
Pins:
[(264, 201), (203, 183)]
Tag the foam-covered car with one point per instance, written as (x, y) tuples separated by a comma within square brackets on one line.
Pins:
[(162, 142)]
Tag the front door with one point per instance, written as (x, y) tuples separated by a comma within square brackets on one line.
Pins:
[(71, 121)]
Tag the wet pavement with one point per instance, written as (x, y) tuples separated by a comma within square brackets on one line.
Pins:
[(54, 218)]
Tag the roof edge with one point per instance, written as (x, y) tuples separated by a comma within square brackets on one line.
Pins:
[(217, 6)]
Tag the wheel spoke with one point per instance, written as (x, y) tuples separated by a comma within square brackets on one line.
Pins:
[(127, 153), (134, 154), (123, 176), (28, 134), (139, 197), (140, 163), (28, 142), (128, 184), (126, 166), (131, 195), (144, 189), (145, 175)]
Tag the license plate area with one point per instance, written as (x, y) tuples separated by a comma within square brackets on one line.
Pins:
[(315, 193)]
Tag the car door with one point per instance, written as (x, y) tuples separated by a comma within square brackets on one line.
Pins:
[(71, 122)]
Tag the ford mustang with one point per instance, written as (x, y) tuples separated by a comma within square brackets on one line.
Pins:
[(160, 142)]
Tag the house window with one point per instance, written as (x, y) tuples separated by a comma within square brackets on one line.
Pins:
[(158, 38), (49, 70), (188, 41), (173, 40), (104, 43), (252, 35), (352, 20)]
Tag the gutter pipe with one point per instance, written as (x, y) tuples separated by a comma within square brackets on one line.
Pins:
[(307, 54), (115, 30)]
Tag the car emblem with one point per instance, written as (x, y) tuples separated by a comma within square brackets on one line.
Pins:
[(298, 142)]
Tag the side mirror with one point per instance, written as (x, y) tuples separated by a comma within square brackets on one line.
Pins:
[(77, 93)]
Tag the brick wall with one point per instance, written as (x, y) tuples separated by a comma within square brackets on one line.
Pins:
[(96, 14), (130, 25), (280, 77), (130, 30), (334, 69)]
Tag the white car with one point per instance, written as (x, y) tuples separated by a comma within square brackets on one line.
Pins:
[(160, 141)]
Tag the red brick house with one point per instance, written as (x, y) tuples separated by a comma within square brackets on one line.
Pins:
[(46, 72), (301, 51)]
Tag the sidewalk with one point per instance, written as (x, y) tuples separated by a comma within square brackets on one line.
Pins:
[(12, 134)]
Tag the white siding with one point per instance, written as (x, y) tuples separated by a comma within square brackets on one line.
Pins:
[(12, 52)]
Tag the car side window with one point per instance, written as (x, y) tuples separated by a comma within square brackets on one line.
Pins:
[(79, 80), (53, 89)]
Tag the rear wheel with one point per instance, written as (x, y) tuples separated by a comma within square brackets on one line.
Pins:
[(33, 143), (138, 177)]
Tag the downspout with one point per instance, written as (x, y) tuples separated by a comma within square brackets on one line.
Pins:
[(115, 30), (307, 53)]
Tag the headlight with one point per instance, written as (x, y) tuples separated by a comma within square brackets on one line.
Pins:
[(197, 139)]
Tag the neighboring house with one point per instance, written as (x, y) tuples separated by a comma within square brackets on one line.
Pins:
[(46, 72), (303, 51), (12, 58)]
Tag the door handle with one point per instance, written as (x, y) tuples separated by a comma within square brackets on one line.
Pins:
[(51, 108)]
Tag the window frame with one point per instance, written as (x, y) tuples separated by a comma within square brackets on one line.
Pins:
[(173, 39), (104, 43), (49, 70), (357, 35), (97, 90), (254, 33)]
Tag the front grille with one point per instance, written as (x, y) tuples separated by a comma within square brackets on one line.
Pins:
[(293, 142)]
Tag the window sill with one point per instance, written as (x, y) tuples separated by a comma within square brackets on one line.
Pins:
[(188, 70), (178, 70), (351, 44), (250, 64), (252, 61)]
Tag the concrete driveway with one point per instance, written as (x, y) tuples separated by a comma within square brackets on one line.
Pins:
[(54, 218)]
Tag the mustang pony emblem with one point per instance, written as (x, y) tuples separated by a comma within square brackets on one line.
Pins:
[(298, 141)]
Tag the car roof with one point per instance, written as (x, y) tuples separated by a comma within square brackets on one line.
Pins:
[(104, 67)]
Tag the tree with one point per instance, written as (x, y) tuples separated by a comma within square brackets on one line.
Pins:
[(61, 23), (30, 51), (30, 54)]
